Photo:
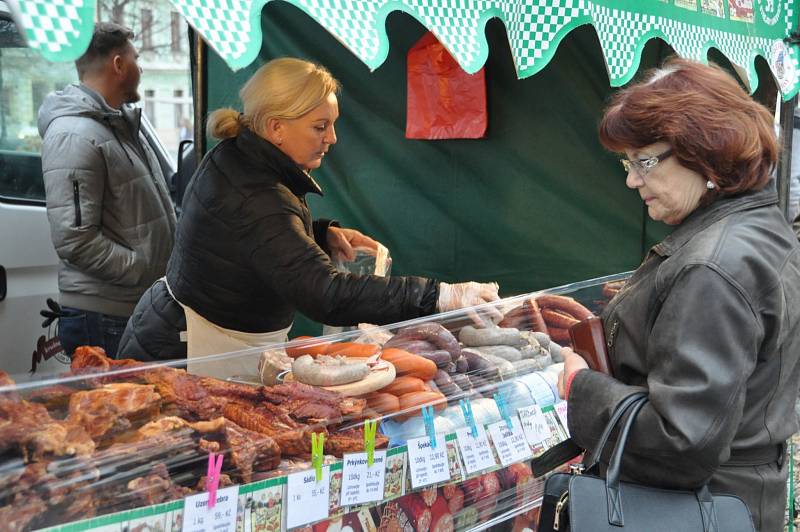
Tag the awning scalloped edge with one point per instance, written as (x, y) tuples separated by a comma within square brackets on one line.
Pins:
[(534, 29)]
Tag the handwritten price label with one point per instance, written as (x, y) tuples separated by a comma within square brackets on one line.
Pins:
[(428, 465), (510, 443), (476, 452), (221, 518), (561, 410), (360, 483), (307, 498), (535, 425)]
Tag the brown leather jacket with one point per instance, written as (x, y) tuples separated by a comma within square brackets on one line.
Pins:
[(709, 325)]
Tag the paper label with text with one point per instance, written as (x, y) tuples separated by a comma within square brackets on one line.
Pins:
[(197, 517), (428, 465), (360, 483), (476, 452), (510, 443), (307, 499)]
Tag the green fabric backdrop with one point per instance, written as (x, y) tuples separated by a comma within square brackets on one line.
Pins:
[(535, 204)]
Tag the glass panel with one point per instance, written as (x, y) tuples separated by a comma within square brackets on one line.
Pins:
[(25, 80)]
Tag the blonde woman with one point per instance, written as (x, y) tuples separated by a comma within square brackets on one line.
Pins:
[(247, 253)]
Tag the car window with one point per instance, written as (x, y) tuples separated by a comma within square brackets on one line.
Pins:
[(25, 79)]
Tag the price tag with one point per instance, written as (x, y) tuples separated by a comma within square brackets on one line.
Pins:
[(561, 410), (307, 499), (221, 518), (428, 465), (510, 443), (360, 483), (534, 424), (476, 452)]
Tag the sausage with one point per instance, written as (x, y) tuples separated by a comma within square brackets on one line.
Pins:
[(478, 365), (441, 358), (529, 365), (306, 345), (433, 333), (558, 319), (515, 318), (411, 403), (472, 337), (542, 338), (504, 367), (412, 346), (559, 335), (403, 385), (565, 304), (383, 403), (417, 512), (535, 315), (409, 364), (503, 351), (446, 384), (327, 371), (462, 381), (462, 366), (352, 350)]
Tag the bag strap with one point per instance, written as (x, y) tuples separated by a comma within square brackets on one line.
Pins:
[(613, 495), (614, 465), (619, 411)]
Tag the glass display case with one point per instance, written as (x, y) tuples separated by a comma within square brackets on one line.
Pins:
[(440, 423)]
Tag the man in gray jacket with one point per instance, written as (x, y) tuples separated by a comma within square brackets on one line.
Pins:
[(111, 218)]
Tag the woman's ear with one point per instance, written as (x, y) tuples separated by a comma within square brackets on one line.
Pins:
[(274, 131)]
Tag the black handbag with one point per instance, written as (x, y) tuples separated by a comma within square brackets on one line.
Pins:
[(583, 501)]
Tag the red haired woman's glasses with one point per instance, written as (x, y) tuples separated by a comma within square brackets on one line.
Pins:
[(643, 166)]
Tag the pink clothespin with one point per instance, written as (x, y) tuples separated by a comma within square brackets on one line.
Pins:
[(212, 478)]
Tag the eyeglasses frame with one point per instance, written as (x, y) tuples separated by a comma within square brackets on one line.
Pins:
[(644, 166)]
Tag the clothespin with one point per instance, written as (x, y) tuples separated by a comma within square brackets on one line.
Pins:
[(370, 427), (212, 477), (427, 417), (503, 408), (317, 444), (466, 409)]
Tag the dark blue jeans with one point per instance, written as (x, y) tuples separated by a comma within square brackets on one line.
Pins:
[(82, 327)]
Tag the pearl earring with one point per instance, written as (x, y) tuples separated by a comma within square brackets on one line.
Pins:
[(710, 185)]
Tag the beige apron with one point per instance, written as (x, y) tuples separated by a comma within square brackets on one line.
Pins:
[(206, 338)]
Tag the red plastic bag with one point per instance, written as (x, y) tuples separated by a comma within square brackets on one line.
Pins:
[(444, 102)]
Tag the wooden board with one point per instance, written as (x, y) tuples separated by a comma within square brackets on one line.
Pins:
[(379, 376)]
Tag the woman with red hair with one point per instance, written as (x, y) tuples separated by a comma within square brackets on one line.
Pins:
[(709, 324)]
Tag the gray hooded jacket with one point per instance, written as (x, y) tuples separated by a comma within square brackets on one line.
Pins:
[(111, 218)]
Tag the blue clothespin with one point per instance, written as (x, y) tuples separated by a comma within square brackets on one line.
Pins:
[(503, 408), (466, 409), (430, 429)]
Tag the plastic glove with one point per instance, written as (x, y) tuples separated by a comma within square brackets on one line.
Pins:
[(460, 295), (342, 242)]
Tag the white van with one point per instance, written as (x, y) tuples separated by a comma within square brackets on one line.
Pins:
[(28, 262)]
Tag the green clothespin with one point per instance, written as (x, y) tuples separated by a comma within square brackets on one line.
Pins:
[(317, 444), (370, 428)]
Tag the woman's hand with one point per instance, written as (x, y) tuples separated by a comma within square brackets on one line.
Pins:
[(573, 362), (342, 242)]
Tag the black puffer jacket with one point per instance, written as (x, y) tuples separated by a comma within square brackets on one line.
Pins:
[(709, 325), (247, 254)]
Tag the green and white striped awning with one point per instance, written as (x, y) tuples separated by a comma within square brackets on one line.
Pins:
[(740, 29)]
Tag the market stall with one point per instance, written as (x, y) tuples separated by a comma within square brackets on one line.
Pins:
[(433, 424), (118, 445)]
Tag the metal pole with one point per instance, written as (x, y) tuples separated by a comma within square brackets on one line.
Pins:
[(785, 160)]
